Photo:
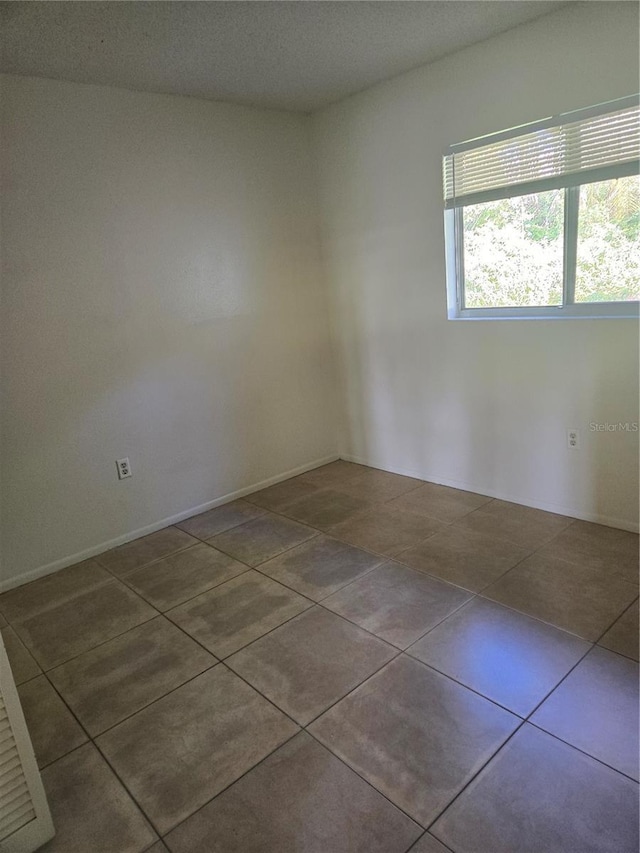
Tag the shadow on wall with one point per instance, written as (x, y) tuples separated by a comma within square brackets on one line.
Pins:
[(485, 406)]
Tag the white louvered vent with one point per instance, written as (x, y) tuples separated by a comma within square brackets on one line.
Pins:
[(25, 820), (16, 806)]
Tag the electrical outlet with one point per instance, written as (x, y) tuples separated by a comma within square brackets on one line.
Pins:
[(124, 468), (573, 439)]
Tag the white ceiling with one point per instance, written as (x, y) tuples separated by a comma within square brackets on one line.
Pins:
[(287, 55)]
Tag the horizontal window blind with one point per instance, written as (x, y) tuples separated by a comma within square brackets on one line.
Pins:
[(589, 145)]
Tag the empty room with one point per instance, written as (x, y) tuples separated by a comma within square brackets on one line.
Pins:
[(319, 388)]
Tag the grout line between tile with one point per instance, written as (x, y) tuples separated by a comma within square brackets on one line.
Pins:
[(413, 642), (319, 603), (315, 533), (226, 788), (562, 680), (245, 569), (150, 562), (373, 787), (577, 748), (223, 658), (476, 774), (466, 686), (427, 834), (384, 558), (73, 715), (331, 533), (157, 699), (329, 594), (127, 789), (226, 529), (551, 624), (216, 661), (356, 514), (606, 630), (97, 645), (101, 755), (69, 752), (153, 701), (49, 608), (355, 687)]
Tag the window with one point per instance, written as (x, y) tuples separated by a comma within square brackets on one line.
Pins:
[(544, 220)]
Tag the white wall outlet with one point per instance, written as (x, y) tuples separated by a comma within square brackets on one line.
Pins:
[(124, 468), (573, 439)]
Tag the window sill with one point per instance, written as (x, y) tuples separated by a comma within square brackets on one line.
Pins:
[(587, 311)]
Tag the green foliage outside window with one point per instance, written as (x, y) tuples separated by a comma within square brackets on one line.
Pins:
[(513, 247)]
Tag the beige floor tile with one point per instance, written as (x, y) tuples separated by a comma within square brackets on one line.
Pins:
[(573, 597), (596, 710), (320, 566), (622, 637), (184, 749), (232, 615), (168, 582), (259, 540), (440, 502), (508, 657), (415, 735), (113, 681), (538, 794), (219, 519), (90, 808), (468, 559), (54, 589), (301, 798), (311, 662), (326, 508), (52, 727), (278, 496), (385, 530), (145, 550), (596, 546), (22, 664), (377, 486), (221, 768), (396, 603), (523, 525), (83, 622), (333, 474)]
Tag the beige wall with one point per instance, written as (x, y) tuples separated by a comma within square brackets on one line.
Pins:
[(480, 405), (162, 300)]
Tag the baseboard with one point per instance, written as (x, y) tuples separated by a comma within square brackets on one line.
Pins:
[(570, 512), (87, 553)]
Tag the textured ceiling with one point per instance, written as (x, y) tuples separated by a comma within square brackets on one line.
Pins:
[(287, 55)]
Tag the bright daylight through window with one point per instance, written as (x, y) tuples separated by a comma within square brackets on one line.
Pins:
[(544, 220)]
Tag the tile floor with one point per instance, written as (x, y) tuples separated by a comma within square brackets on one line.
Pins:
[(350, 660)]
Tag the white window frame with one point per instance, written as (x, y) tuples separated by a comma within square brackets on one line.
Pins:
[(454, 231)]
